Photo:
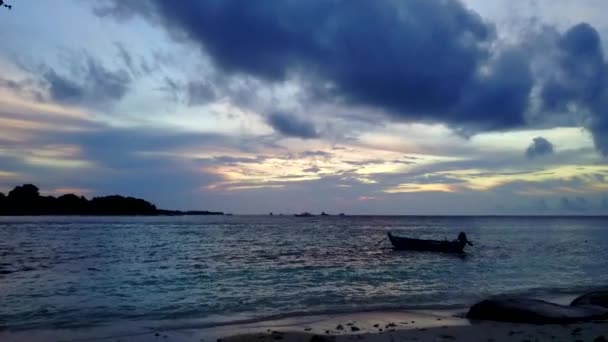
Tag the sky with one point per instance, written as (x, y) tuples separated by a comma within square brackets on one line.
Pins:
[(417, 107)]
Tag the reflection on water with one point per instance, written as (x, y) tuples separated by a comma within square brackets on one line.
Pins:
[(82, 271)]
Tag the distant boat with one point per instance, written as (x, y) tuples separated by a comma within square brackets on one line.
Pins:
[(324, 214), (304, 214), (455, 246)]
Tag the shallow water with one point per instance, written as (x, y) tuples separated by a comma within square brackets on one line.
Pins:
[(82, 271)]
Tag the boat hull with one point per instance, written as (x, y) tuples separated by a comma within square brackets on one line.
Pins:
[(408, 244)]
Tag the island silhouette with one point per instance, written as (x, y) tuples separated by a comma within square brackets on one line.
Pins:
[(26, 200)]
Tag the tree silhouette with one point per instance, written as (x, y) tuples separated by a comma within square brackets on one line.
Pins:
[(2, 4), (26, 200)]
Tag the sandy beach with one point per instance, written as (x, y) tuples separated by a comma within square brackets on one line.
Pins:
[(364, 326)]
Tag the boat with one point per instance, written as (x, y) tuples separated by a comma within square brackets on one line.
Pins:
[(455, 246), (324, 214), (304, 214)]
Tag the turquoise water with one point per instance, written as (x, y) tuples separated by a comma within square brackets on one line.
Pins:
[(84, 271)]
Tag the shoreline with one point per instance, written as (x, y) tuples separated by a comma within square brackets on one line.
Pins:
[(373, 326)]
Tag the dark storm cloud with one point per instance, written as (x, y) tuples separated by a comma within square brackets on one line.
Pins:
[(581, 79), (89, 83), (291, 126), (539, 147), (419, 60)]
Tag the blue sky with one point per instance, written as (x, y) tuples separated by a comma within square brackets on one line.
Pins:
[(372, 107)]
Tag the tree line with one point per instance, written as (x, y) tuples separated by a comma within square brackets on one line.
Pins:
[(26, 200)]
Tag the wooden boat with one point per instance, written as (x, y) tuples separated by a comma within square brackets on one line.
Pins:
[(455, 246)]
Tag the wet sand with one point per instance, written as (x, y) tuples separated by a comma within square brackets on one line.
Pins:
[(365, 326)]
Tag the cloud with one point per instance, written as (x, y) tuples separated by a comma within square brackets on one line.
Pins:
[(445, 62), (422, 61), (317, 153), (26, 88), (539, 147), (434, 52), (312, 169), (292, 126), (581, 80), (89, 82), (200, 93)]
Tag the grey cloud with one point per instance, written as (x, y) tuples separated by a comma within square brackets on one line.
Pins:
[(126, 57), (432, 50), (92, 84), (312, 169), (200, 93), (581, 79), (27, 88), (171, 87), (292, 126), (539, 147), (238, 160), (314, 154)]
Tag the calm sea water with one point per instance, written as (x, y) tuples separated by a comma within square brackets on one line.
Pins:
[(82, 271)]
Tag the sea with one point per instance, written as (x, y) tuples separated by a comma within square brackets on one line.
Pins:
[(69, 272)]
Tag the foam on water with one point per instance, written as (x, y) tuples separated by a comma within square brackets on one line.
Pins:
[(71, 271)]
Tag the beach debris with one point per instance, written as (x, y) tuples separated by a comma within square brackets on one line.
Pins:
[(391, 325), (277, 335), (307, 329), (376, 325), (354, 328), (317, 338), (339, 327)]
